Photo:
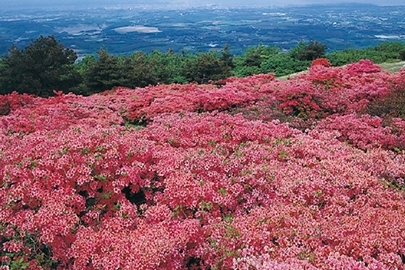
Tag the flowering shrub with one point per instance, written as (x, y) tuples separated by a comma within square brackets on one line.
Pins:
[(300, 98), (364, 131), (326, 90), (199, 188), (13, 101), (391, 104), (363, 66), (322, 62)]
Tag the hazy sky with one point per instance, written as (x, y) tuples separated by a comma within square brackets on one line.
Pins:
[(55, 3)]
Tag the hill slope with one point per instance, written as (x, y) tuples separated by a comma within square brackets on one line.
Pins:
[(194, 187)]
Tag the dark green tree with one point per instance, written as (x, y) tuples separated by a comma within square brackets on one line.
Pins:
[(226, 60), (83, 65), (309, 51), (174, 64), (283, 64), (272, 59), (402, 55), (141, 70), (160, 68), (384, 52), (340, 58), (203, 68), (253, 57), (390, 50), (104, 73), (43, 66)]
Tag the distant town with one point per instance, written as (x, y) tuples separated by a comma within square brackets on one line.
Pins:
[(126, 29)]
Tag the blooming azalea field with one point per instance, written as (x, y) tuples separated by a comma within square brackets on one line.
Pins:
[(253, 173)]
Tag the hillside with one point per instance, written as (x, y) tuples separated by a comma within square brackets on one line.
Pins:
[(387, 66), (255, 173)]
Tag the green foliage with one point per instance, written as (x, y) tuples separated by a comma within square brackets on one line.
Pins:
[(83, 65), (227, 57), (166, 67), (137, 70), (141, 71), (208, 66), (43, 66), (340, 58), (390, 50), (283, 64), (251, 61), (19, 264), (308, 51), (244, 71), (159, 69), (105, 73), (384, 52), (253, 58), (402, 55)]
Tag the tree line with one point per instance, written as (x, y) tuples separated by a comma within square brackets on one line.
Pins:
[(46, 65)]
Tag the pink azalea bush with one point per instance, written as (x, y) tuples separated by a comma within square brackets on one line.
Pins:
[(195, 187), (321, 61), (366, 132), (334, 90)]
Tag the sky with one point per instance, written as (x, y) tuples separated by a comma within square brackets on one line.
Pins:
[(187, 3)]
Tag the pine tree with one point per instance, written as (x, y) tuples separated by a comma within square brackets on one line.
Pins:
[(43, 66), (104, 73)]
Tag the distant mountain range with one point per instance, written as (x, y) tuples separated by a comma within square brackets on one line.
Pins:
[(123, 29)]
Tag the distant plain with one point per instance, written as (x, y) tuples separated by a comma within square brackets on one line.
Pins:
[(123, 30)]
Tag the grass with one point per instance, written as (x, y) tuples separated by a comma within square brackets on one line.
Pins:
[(393, 67), (290, 75)]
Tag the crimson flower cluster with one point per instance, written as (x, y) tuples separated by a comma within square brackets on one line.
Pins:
[(321, 61)]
